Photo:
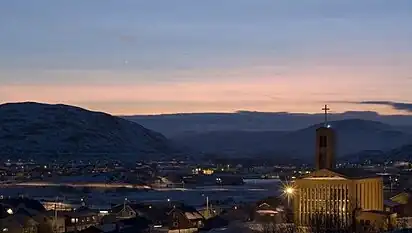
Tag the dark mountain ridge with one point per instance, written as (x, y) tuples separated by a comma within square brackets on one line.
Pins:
[(173, 125), (353, 135), (39, 129)]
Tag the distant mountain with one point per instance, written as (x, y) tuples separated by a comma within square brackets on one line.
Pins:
[(28, 129), (353, 136), (173, 125), (402, 153), (362, 156), (231, 143)]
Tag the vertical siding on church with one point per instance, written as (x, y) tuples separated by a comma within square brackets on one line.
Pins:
[(336, 198)]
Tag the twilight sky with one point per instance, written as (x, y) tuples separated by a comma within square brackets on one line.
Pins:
[(162, 56)]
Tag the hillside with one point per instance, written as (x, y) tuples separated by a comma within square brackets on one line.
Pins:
[(28, 129), (401, 153), (172, 125), (353, 136)]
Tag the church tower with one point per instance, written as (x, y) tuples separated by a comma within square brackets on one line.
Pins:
[(325, 145)]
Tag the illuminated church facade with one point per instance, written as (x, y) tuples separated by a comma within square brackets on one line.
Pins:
[(334, 195)]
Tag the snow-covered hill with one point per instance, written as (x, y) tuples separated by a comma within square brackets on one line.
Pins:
[(28, 129)]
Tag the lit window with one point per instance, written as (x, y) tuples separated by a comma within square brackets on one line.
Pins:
[(73, 220)]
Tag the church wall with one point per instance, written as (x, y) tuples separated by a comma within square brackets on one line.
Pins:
[(323, 197), (369, 194), (336, 198)]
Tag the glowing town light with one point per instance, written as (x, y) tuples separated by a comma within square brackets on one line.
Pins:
[(289, 190), (9, 211)]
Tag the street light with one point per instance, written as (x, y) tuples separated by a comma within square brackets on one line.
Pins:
[(289, 192)]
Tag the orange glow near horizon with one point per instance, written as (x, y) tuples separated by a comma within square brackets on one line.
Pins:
[(259, 89), (165, 99)]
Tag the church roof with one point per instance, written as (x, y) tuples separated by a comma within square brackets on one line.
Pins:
[(346, 173), (355, 173)]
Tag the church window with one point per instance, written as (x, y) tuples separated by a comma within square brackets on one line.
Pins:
[(323, 141)]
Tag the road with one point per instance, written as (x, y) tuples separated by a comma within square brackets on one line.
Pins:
[(75, 185)]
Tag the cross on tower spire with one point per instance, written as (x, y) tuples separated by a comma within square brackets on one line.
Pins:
[(326, 109)]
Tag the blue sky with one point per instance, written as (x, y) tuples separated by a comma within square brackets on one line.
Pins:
[(180, 54)]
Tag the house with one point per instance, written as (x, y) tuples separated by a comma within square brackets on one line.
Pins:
[(375, 221), (4, 173), (18, 223), (270, 210), (266, 213), (170, 216), (238, 213), (184, 218), (80, 219), (215, 222), (124, 211), (138, 224), (24, 215), (401, 204)]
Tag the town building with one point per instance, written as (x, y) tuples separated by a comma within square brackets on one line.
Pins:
[(171, 217), (80, 219), (333, 197), (22, 215)]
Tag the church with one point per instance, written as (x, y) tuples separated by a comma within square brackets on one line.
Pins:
[(330, 195)]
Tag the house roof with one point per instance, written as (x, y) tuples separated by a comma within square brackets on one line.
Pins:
[(28, 203), (193, 215), (390, 203), (23, 211), (401, 198), (82, 211), (271, 202), (159, 212), (120, 207)]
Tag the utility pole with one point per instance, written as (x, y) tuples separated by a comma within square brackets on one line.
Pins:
[(207, 206), (124, 204), (55, 215)]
